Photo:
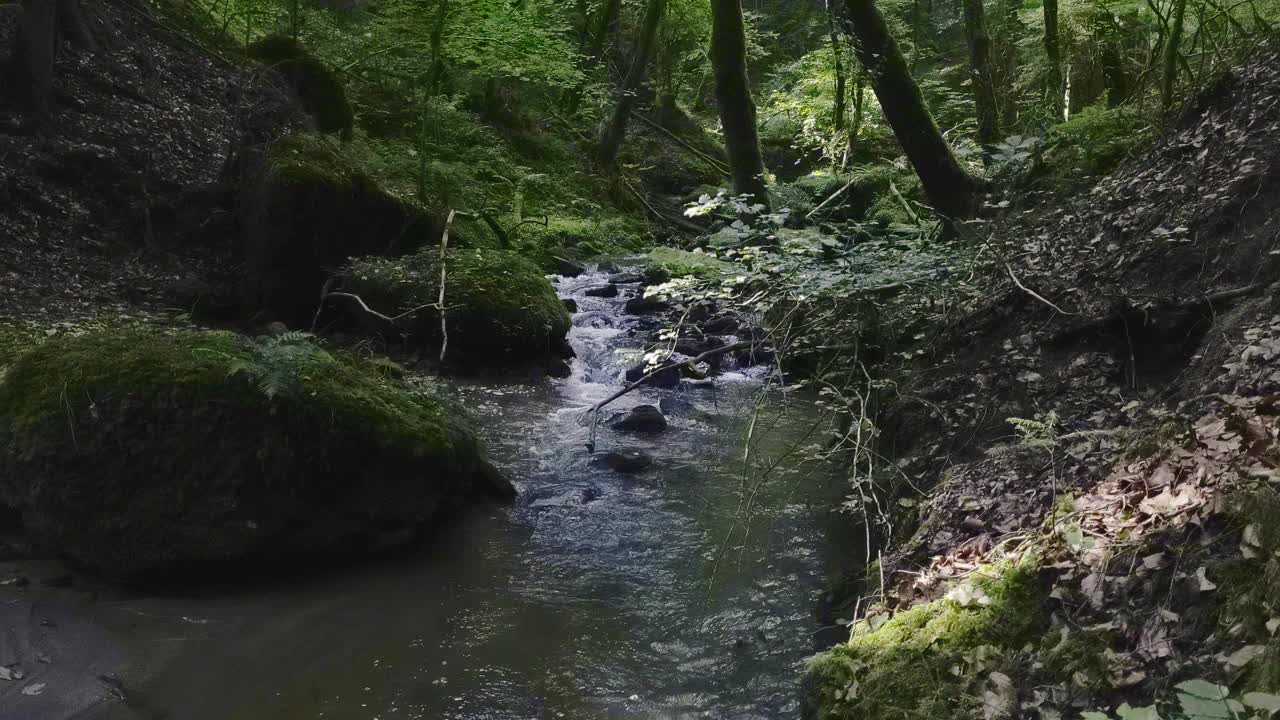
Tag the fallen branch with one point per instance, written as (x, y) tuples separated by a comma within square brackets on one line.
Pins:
[(714, 163), (834, 195), (678, 222), (1033, 293), (594, 412), (742, 345), (444, 327)]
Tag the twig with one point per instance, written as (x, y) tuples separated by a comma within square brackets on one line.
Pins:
[(834, 195), (682, 224), (1033, 293), (743, 345), (444, 245), (719, 166)]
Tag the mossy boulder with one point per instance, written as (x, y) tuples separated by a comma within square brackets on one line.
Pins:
[(138, 455), (307, 208), (318, 87), (904, 668), (501, 310)]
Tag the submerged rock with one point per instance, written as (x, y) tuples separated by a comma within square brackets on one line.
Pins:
[(642, 419), (628, 460), (138, 455), (502, 311), (604, 291)]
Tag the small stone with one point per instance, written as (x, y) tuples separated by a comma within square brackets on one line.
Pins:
[(570, 304)]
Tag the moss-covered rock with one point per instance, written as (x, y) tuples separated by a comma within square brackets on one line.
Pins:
[(322, 93), (905, 668), (502, 311), (672, 262), (309, 207), (136, 453)]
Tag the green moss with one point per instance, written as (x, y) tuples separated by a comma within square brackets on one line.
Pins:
[(15, 339), (502, 310), (904, 668), (318, 86), (65, 371), (598, 234), (682, 263)]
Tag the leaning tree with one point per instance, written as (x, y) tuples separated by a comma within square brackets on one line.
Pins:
[(951, 190)]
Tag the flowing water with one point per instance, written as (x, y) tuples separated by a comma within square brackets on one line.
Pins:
[(684, 591)]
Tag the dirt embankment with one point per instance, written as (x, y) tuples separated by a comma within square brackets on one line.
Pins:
[(124, 199), (1107, 417)]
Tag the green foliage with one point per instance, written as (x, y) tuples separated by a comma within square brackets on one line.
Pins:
[(1093, 143), (279, 364)]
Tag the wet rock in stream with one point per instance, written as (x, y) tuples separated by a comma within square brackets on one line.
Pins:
[(604, 291), (642, 419), (628, 460)]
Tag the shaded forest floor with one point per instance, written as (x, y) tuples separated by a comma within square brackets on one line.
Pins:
[(1099, 445)]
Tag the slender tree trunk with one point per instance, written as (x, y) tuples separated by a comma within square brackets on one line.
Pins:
[(614, 132), (40, 27), (437, 48), (1169, 74), (859, 102), (1053, 52), (595, 53), (837, 50), (951, 190), (982, 76), (733, 95)]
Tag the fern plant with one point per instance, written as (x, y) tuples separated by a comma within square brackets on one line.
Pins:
[(277, 365)]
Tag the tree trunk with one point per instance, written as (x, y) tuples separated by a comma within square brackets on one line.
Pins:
[(838, 121), (1054, 53), (436, 75), (43, 24), (951, 190), (733, 95), (1169, 75), (982, 77), (859, 94), (614, 132), (595, 53)]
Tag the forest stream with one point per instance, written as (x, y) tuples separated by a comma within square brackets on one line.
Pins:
[(596, 595)]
